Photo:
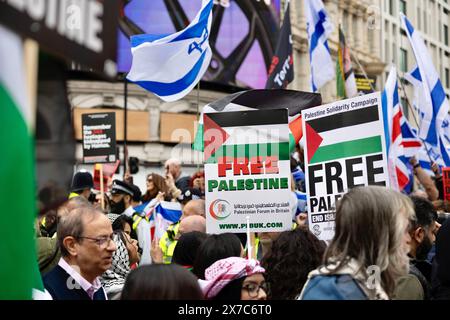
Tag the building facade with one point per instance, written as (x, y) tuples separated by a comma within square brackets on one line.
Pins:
[(359, 21)]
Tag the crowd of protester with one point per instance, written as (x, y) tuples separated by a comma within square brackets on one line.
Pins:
[(387, 245)]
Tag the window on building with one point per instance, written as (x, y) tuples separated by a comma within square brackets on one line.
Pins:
[(434, 53), (386, 50), (447, 78), (391, 7), (403, 6), (403, 60), (418, 18), (394, 53), (446, 35), (425, 29), (404, 107)]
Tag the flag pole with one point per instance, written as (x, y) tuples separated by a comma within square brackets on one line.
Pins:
[(102, 191), (362, 69), (198, 115), (125, 113), (31, 61), (249, 242)]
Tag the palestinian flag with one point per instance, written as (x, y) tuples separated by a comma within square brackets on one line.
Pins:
[(246, 134), (333, 137), (345, 77), (264, 99), (19, 271)]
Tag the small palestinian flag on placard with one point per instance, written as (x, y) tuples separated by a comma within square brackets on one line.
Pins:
[(326, 136), (264, 99), (256, 133)]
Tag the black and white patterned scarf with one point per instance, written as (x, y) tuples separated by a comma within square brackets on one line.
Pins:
[(114, 278)]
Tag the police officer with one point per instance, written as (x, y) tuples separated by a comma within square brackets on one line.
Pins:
[(82, 183), (121, 203)]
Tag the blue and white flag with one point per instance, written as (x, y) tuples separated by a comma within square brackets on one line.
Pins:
[(165, 214), (160, 215), (171, 65), (319, 27), (432, 103)]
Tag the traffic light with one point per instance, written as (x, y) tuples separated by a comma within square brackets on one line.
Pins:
[(133, 165)]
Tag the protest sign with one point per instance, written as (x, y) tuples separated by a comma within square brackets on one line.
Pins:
[(365, 84), (99, 137), (345, 147), (446, 182), (108, 171), (247, 171)]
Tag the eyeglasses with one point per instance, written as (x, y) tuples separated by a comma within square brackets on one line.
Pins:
[(103, 242), (253, 289)]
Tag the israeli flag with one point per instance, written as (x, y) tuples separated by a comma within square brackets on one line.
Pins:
[(434, 106), (171, 65), (319, 27), (167, 213)]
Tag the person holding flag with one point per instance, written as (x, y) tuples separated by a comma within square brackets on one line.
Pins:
[(319, 27), (281, 71)]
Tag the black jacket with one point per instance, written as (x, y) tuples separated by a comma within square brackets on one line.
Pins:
[(441, 264)]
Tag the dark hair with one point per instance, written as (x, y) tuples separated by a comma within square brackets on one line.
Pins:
[(214, 248), (425, 213), (187, 247), (292, 256), (119, 225), (161, 282), (232, 291), (160, 185)]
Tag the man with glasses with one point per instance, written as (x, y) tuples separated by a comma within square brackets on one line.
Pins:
[(85, 241)]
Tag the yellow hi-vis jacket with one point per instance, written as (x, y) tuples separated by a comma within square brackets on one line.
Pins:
[(167, 242)]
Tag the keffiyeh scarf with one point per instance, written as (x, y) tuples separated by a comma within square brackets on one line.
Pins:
[(114, 278), (222, 272)]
